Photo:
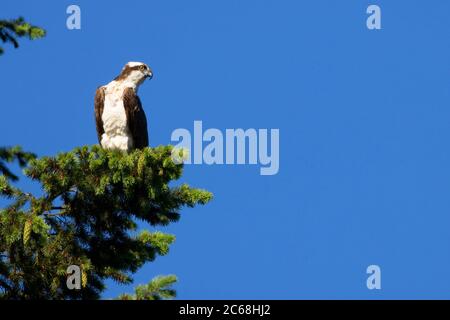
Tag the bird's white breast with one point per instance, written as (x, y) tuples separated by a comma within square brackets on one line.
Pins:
[(117, 135)]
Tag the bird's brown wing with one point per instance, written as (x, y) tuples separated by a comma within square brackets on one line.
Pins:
[(136, 119), (99, 104)]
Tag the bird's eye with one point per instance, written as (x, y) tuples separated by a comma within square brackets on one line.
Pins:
[(142, 67)]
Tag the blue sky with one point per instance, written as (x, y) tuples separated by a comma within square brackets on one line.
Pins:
[(364, 124)]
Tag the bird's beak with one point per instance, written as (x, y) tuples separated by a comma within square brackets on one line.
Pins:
[(149, 75)]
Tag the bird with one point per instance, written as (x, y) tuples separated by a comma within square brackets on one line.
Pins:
[(121, 122)]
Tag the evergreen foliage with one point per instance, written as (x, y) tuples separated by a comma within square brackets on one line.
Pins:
[(87, 216), (157, 289), (10, 155), (10, 30)]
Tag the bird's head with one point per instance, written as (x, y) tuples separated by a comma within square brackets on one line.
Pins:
[(135, 72)]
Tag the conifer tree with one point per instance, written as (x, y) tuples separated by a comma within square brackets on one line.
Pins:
[(10, 155), (157, 289), (10, 30), (87, 215)]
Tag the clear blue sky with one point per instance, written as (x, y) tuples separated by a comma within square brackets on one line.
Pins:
[(364, 119)]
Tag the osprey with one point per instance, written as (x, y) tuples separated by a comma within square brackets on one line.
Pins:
[(120, 119)]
